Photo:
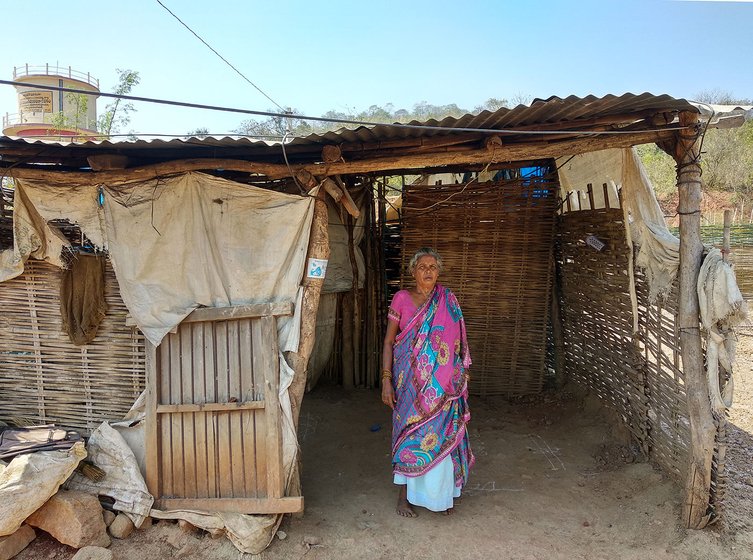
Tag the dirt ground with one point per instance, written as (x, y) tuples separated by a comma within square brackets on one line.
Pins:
[(550, 482)]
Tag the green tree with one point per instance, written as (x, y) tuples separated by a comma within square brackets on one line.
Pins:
[(201, 132), (276, 127), (117, 113), (660, 168), (72, 115)]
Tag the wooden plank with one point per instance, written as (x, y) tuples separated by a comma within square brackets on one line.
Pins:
[(273, 440), (210, 407), (260, 455), (176, 420), (282, 308), (166, 426), (222, 422), (236, 420), (151, 427), (199, 419), (245, 505), (248, 393), (210, 393), (186, 373)]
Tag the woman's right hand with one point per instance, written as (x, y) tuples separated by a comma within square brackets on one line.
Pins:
[(388, 393)]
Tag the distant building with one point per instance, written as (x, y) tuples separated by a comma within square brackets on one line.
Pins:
[(50, 113)]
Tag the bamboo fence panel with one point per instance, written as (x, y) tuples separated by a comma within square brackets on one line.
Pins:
[(496, 240), (640, 376), (44, 378), (597, 315)]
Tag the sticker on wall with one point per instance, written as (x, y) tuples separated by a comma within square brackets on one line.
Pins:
[(317, 268), (595, 242)]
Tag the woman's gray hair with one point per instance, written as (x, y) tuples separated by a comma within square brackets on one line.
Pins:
[(425, 252)]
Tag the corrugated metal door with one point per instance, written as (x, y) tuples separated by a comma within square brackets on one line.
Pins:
[(213, 435)]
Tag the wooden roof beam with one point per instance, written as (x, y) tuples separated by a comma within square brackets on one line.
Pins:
[(508, 152), (496, 153)]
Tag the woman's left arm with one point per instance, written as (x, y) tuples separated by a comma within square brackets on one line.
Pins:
[(388, 391)]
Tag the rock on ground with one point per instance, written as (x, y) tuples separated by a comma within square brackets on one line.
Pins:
[(108, 516), (13, 544), (93, 553), (72, 518), (122, 527)]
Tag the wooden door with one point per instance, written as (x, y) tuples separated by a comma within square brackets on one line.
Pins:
[(213, 432)]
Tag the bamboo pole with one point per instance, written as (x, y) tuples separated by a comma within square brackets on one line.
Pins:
[(347, 340), (358, 373), (312, 288), (702, 427), (557, 332)]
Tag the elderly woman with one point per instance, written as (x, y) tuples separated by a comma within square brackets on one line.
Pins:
[(425, 363)]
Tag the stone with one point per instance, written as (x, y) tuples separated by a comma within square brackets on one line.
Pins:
[(122, 527), (108, 516), (73, 518), (11, 545), (93, 553), (187, 527), (216, 533)]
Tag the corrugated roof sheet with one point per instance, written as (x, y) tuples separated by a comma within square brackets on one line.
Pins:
[(540, 112)]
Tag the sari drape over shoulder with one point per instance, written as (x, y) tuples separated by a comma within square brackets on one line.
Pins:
[(430, 360)]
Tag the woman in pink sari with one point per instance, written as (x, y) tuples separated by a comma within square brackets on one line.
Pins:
[(425, 362)]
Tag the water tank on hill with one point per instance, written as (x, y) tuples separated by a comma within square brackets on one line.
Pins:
[(49, 113)]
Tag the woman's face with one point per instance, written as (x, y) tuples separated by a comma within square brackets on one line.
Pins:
[(426, 273)]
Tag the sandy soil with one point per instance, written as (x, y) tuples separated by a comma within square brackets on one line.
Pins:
[(550, 483)]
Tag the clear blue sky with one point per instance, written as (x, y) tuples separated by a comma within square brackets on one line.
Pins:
[(331, 54)]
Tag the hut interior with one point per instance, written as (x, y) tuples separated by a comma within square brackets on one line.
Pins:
[(547, 277)]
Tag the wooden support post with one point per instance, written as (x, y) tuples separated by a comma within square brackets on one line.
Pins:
[(557, 334), (702, 427), (312, 288), (726, 234)]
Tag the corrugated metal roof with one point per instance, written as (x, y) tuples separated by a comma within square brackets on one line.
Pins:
[(540, 113)]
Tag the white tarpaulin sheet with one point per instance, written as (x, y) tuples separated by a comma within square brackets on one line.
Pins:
[(29, 480), (123, 480), (196, 240), (722, 308), (621, 170), (34, 205), (176, 244)]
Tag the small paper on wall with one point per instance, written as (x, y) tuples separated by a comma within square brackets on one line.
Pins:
[(317, 268)]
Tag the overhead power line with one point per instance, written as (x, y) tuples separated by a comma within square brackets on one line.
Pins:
[(330, 119), (226, 61)]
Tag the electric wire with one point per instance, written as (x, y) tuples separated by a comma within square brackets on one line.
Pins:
[(404, 126), (184, 24)]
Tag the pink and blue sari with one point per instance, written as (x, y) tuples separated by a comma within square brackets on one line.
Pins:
[(430, 359)]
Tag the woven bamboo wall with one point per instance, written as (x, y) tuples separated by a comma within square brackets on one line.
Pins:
[(496, 241), (640, 377), (44, 377)]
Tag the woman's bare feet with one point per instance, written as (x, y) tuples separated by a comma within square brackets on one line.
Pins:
[(403, 506)]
